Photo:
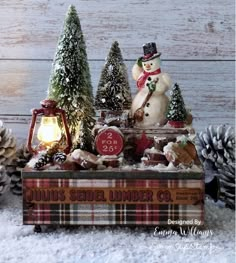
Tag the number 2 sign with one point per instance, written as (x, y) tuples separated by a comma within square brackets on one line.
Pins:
[(109, 142)]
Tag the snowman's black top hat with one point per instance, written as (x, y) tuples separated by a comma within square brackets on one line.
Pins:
[(150, 51)]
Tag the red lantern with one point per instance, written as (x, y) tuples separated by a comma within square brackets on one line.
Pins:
[(49, 131)]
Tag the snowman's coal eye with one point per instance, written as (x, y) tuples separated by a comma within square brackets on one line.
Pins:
[(144, 64), (151, 64)]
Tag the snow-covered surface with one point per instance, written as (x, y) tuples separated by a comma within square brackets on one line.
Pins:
[(84, 156), (162, 168), (168, 149), (184, 138), (159, 139), (18, 243), (152, 150), (35, 159)]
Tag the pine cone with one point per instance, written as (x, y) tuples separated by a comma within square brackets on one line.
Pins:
[(14, 170), (7, 145), (43, 160), (53, 149), (227, 183), (216, 151), (59, 157), (47, 157), (4, 180)]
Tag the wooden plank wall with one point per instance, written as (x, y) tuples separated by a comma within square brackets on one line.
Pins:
[(196, 39)]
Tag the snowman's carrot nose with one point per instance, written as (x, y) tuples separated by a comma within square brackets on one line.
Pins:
[(148, 66)]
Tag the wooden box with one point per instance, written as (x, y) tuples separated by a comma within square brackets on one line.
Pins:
[(113, 197)]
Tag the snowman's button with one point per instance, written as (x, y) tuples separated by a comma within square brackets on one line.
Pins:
[(149, 78), (146, 114), (148, 104)]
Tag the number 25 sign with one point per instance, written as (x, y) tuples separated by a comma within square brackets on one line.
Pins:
[(109, 142)]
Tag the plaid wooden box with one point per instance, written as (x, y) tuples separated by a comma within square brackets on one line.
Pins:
[(112, 198)]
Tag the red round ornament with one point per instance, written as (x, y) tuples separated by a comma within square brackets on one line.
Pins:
[(109, 142)]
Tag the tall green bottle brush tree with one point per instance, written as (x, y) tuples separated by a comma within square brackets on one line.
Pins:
[(70, 81), (113, 93)]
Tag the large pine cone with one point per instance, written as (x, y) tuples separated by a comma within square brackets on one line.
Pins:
[(216, 150), (4, 180), (14, 170), (7, 145)]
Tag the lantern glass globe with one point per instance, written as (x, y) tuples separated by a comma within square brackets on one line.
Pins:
[(49, 130)]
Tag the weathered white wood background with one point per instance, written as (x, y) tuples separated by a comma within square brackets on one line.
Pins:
[(196, 39)]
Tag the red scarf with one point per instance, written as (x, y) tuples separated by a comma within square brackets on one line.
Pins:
[(141, 80)]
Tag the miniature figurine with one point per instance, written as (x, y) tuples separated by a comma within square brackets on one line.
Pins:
[(150, 104)]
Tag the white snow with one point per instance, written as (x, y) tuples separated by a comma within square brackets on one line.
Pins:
[(159, 139), (168, 149), (35, 159), (18, 243), (162, 168), (105, 157), (152, 150), (184, 138), (84, 155)]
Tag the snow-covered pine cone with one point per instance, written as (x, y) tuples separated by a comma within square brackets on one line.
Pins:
[(217, 145), (227, 182), (7, 145), (14, 170), (4, 180), (216, 150), (59, 157), (47, 157), (42, 161)]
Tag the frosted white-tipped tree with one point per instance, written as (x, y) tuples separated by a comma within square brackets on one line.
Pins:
[(70, 81), (113, 91)]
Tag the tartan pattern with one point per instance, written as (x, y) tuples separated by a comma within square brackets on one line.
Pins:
[(110, 214)]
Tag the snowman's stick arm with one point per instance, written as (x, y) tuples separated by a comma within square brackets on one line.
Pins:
[(155, 80)]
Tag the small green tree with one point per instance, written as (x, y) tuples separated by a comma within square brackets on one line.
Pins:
[(176, 109), (70, 81), (113, 91), (85, 140)]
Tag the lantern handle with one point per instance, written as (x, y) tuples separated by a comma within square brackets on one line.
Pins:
[(35, 113), (68, 137)]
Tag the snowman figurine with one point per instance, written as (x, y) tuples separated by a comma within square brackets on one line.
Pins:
[(149, 106)]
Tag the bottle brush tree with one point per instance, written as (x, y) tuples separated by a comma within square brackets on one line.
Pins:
[(70, 81), (113, 91), (176, 110), (85, 140)]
